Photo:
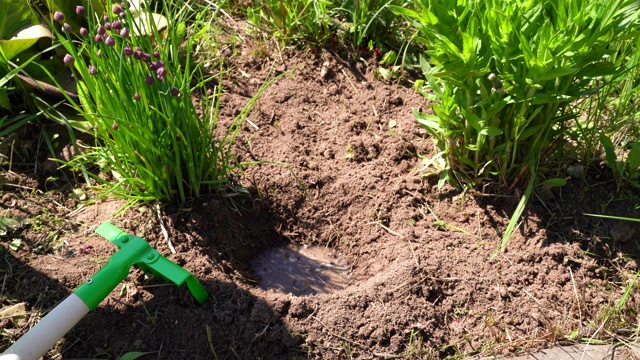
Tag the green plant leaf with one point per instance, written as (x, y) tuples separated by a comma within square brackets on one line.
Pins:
[(513, 222), (15, 16), (556, 73), (134, 355), (554, 182), (23, 40), (429, 122), (633, 160), (610, 152), (19, 28), (491, 131), (4, 99)]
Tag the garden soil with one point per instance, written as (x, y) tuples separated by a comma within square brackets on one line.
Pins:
[(341, 165)]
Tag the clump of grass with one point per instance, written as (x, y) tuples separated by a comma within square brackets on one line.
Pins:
[(504, 74), (293, 20), (360, 23), (135, 81)]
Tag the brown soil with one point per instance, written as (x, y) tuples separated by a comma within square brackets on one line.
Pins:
[(421, 285)]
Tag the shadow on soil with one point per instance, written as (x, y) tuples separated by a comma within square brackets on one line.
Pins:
[(216, 239)]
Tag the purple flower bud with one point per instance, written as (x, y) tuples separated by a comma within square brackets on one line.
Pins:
[(68, 59), (92, 70), (146, 57), (101, 30), (122, 14), (80, 10), (150, 80), (175, 91), (124, 4), (98, 38), (124, 32), (109, 41), (116, 9), (127, 50), (99, 53), (137, 55), (153, 67), (105, 18), (84, 31), (58, 16), (136, 96), (107, 26), (160, 78), (160, 63), (66, 28), (114, 126), (162, 72), (156, 54), (116, 25)]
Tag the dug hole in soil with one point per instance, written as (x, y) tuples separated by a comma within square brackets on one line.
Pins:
[(419, 282)]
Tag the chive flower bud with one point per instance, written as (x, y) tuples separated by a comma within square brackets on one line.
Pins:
[(58, 16), (137, 54), (156, 54), (162, 72), (68, 59), (122, 14), (66, 28), (107, 26), (84, 31), (105, 18), (128, 51), (153, 67), (101, 30), (175, 91), (109, 41), (116, 25), (116, 9), (99, 53), (98, 38), (159, 63), (149, 80), (114, 126), (146, 57), (80, 10), (92, 70), (124, 32), (136, 97)]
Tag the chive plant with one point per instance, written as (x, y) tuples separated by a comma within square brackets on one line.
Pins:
[(135, 83), (504, 74)]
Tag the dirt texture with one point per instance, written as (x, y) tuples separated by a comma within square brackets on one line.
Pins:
[(422, 284)]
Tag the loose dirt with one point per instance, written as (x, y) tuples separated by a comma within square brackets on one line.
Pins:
[(421, 284)]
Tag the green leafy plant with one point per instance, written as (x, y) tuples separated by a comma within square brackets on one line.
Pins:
[(504, 73), (135, 93)]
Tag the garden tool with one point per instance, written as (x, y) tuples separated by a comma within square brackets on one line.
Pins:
[(133, 250)]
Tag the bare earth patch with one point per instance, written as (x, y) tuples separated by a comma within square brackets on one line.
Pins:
[(421, 285)]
